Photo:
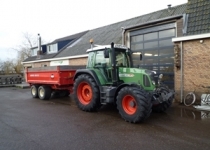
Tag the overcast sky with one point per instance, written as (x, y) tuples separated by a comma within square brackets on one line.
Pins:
[(58, 18)]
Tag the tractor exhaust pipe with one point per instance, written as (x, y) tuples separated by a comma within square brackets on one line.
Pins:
[(115, 75)]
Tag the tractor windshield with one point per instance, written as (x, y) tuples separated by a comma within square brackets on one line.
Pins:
[(122, 58)]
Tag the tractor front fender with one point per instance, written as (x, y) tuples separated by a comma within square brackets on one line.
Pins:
[(126, 84)]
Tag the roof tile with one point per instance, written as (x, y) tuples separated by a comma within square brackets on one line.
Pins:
[(113, 33), (199, 16)]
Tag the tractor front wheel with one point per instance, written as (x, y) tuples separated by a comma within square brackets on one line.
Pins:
[(133, 104), (86, 93)]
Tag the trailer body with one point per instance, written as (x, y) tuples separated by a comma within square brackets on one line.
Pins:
[(57, 77)]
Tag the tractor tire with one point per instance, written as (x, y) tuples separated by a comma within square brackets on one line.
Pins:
[(133, 105), (44, 92), (86, 93), (34, 91), (162, 107)]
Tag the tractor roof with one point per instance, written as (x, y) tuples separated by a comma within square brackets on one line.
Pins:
[(100, 47)]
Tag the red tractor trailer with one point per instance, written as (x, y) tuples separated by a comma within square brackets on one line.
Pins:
[(45, 80)]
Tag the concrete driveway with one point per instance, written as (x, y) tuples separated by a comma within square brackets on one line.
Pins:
[(32, 124)]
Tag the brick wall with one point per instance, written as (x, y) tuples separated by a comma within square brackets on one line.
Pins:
[(41, 64), (78, 61), (196, 68)]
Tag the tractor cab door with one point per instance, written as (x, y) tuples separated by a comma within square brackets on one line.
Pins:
[(103, 65)]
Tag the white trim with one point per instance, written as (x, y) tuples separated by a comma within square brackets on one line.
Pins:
[(61, 58), (99, 47), (191, 37), (74, 43)]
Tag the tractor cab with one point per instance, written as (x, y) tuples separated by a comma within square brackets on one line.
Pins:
[(108, 59), (113, 65)]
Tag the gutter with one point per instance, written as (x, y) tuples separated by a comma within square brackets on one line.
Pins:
[(123, 38), (53, 59), (154, 21), (191, 37), (181, 74)]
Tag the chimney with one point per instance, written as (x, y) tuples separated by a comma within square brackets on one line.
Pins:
[(169, 7), (39, 52)]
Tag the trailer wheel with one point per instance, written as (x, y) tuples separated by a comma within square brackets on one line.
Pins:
[(86, 93), (162, 107), (133, 105), (44, 92), (34, 91)]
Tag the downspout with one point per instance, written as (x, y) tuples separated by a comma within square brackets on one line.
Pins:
[(123, 38), (181, 73)]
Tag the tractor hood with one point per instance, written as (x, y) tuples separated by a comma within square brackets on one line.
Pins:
[(143, 77)]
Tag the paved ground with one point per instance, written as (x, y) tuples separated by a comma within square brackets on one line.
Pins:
[(22, 85), (33, 124)]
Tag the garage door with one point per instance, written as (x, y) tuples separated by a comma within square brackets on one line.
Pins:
[(156, 46)]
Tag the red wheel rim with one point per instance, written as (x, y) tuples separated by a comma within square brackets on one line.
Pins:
[(129, 104), (84, 93)]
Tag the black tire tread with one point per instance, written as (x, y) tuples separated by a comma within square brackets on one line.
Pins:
[(47, 92), (144, 105), (36, 95), (95, 102)]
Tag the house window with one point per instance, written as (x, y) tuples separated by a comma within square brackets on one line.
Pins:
[(34, 51), (43, 65), (53, 48)]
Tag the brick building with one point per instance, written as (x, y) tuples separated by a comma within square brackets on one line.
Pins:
[(194, 51), (154, 35)]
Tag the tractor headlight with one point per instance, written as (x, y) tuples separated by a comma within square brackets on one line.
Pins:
[(160, 76), (153, 82), (153, 74)]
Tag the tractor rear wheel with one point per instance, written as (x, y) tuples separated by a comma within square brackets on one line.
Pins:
[(133, 105), (34, 91), (162, 107), (86, 93), (44, 92)]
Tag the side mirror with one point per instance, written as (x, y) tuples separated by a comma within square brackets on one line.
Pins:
[(140, 57), (106, 53)]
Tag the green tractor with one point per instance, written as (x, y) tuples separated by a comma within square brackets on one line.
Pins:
[(110, 77)]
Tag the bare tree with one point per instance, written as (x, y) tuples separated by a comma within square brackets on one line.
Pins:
[(24, 49), (23, 52), (7, 67), (1, 66)]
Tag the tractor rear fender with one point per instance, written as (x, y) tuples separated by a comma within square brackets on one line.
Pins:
[(89, 72)]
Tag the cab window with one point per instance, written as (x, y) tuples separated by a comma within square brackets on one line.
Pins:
[(100, 58)]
